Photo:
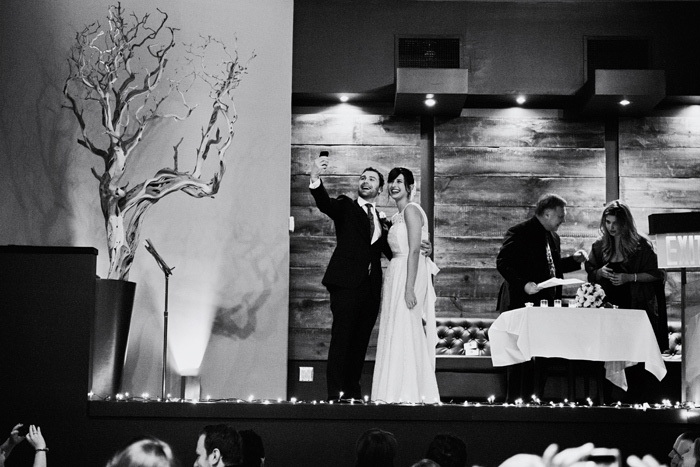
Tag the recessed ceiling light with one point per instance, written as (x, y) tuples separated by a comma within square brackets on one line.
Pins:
[(430, 102), (344, 98), (520, 100), (624, 102), (429, 96)]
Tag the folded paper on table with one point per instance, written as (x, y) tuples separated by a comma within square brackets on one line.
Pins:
[(554, 281)]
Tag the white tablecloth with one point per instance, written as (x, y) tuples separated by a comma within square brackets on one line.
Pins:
[(618, 337)]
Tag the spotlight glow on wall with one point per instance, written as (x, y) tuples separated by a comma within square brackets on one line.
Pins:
[(624, 102), (430, 102), (520, 100), (344, 98)]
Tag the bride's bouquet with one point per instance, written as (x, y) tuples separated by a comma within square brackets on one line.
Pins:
[(590, 296)]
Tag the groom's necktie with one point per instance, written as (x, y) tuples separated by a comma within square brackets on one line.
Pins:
[(550, 260), (370, 218)]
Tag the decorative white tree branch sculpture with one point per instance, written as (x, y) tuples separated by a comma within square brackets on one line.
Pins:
[(118, 71)]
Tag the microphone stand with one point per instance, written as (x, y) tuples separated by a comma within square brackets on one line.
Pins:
[(167, 271)]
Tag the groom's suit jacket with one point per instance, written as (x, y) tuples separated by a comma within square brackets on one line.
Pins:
[(353, 254)]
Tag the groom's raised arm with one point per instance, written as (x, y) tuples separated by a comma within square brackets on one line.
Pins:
[(324, 203)]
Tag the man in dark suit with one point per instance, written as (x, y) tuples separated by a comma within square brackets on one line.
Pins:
[(353, 277), (531, 254)]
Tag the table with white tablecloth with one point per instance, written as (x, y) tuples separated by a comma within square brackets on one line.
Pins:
[(618, 337)]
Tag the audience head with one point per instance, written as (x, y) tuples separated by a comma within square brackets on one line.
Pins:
[(426, 463), (448, 451), (376, 448), (253, 449), (217, 446), (146, 452), (551, 211), (682, 451), (691, 458), (683, 444)]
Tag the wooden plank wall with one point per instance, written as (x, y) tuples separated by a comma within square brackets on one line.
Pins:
[(354, 143), (660, 172), (489, 172)]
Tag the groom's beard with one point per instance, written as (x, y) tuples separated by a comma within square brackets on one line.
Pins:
[(369, 195)]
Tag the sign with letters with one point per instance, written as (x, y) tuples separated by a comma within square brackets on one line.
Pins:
[(679, 250)]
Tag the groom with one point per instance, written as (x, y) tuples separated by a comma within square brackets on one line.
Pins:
[(353, 276)]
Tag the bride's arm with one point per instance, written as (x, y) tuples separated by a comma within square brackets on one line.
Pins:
[(414, 222)]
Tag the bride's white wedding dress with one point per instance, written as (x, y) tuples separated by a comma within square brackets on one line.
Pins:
[(404, 370)]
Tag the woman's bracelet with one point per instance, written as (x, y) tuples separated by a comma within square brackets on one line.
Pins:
[(41, 449)]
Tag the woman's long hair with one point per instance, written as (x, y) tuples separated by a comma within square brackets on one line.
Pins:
[(630, 238), (146, 452)]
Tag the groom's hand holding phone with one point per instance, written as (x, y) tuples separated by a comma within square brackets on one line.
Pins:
[(319, 166)]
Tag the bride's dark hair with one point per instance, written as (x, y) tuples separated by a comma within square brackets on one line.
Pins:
[(407, 175)]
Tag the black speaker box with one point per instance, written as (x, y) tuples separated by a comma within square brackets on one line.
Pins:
[(675, 222)]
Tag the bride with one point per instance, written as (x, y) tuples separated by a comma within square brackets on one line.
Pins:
[(404, 370)]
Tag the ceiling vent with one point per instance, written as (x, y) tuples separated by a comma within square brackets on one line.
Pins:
[(428, 52), (429, 77)]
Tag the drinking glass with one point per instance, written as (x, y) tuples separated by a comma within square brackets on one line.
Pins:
[(557, 303), (544, 303)]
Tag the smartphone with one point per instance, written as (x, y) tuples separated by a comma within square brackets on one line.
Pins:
[(605, 457), (323, 154)]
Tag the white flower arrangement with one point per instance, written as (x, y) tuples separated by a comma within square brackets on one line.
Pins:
[(590, 296)]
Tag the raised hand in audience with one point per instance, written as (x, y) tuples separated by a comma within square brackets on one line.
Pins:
[(646, 461), (13, 440), (567, 457), (551, 457), (36, 439)]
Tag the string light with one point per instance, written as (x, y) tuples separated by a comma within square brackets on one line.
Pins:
[(665, 404)]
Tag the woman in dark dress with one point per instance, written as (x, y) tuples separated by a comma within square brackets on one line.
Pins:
[(624, 263)]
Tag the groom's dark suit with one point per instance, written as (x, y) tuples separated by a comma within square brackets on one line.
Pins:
[(354, 280)]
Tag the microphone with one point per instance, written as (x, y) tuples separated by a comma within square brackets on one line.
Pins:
[(161, 262)]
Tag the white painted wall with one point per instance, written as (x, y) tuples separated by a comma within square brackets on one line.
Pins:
[(228, 297)]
